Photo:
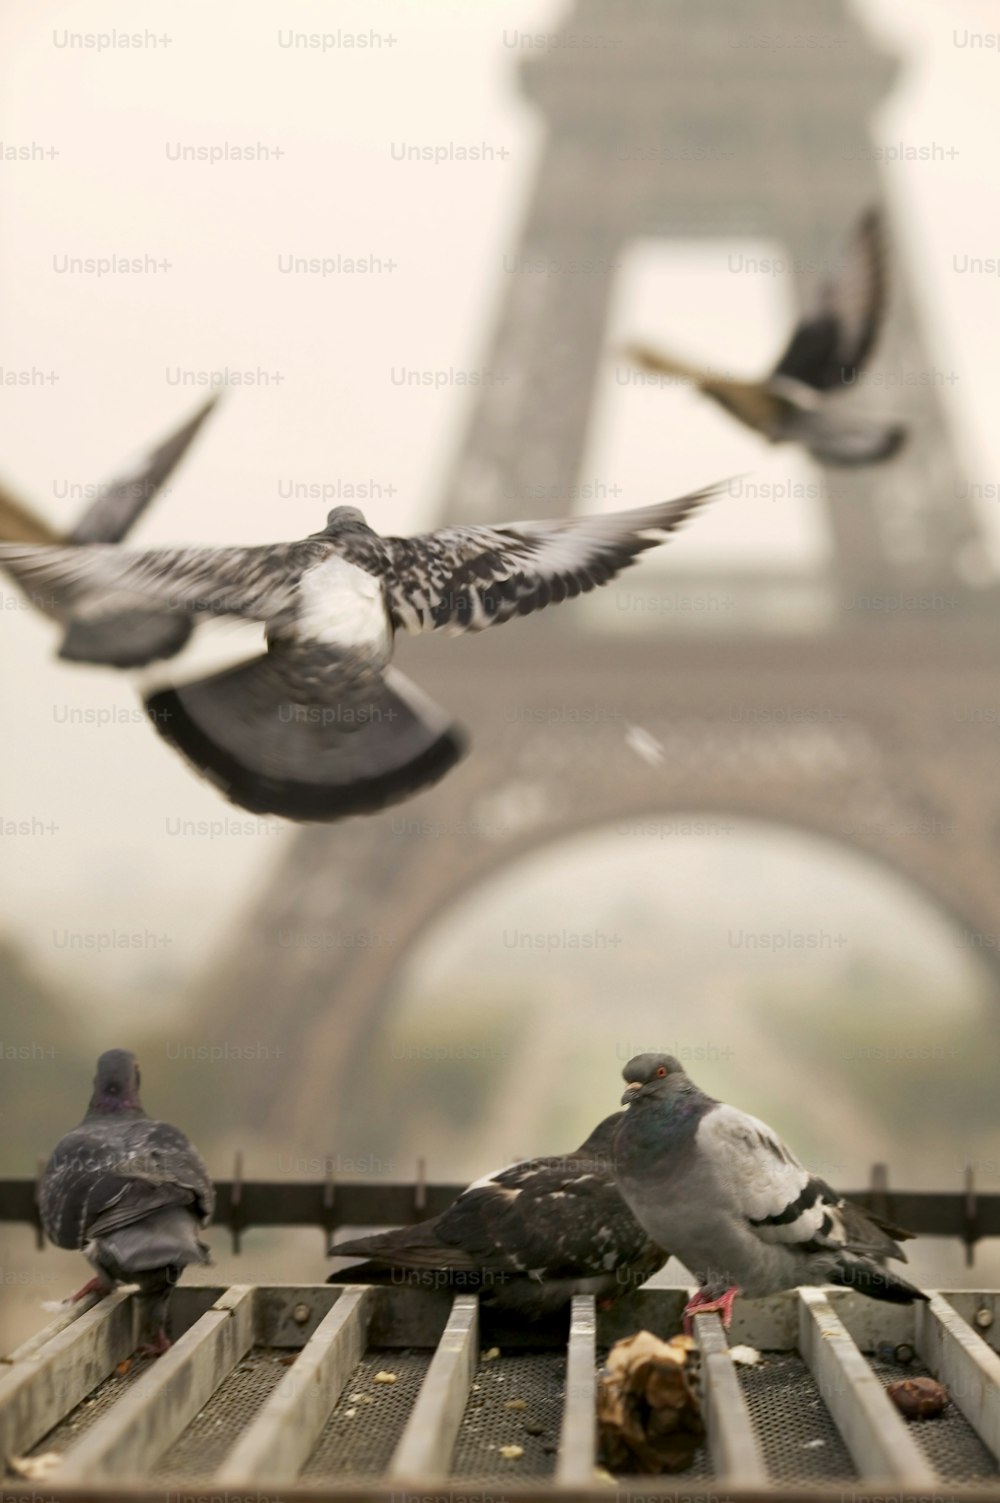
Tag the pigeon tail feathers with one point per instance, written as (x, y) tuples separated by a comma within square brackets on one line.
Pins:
[(166, 1239), (271, 748), (876, 1282)]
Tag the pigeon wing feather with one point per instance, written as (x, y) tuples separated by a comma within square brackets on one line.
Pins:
[(99, 580), (838, 328), (468, 578)]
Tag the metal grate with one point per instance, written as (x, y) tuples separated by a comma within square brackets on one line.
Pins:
[(274, 1388), (536, 1379), (94, 1407), (796, 1431), (949, 1442), (201, 1448), (359, 1438)]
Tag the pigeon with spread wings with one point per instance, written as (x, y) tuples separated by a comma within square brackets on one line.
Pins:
[(527, 1238), (140, 637), (320, 725), (736, 1206), (796, 401)]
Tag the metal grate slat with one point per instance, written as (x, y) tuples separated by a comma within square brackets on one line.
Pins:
[(577, 1438), (733, 1445), (424, 1450), (873, 1431)]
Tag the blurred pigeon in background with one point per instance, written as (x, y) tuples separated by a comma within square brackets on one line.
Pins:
[(828, 348), (130, 1193), (728, 1198), (527, 1238), (319, 725), (140, 637)]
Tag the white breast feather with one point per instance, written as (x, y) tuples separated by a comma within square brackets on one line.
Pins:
[(342, 605)]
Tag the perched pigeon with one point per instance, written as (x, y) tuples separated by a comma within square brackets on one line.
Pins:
[(130, 1193), (734, 1204), (130, 640), (319, 725), (828, 347), (527, 1238)]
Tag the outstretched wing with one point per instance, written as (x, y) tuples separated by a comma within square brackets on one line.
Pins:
[(125, 498), (837, 330), (467, 578), (100, 580)]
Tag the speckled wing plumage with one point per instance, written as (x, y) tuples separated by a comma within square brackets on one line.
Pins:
[(535, 1232), (840, 324), (468, 578), (320, 726), (100, 580), (113, 1172)]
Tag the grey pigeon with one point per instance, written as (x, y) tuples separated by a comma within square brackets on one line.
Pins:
[(828, 348), (734, 1204), (319, 725), (527, 1238), (134, 639), (130, 1193)]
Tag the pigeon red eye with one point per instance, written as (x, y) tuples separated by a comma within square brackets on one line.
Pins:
[(662, 1070)]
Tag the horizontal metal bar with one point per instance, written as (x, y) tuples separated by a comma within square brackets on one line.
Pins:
[(873, 1430), (424, 1450), (930, 1213), (732, 1444), (41, 1388), (969, 1369), (277, 1443), (577, 1437), (165, 1399)]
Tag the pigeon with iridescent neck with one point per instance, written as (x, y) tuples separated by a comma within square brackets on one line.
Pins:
[(130, 1193), (736, 1206)]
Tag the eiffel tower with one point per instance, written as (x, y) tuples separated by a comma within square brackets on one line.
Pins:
[(899, 762)]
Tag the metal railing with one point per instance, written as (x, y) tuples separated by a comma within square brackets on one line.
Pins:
[(329, 1203)]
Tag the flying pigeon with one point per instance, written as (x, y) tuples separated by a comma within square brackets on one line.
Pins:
[(829, 346), (528, 1237), (728, 1198), (320, 725), (136, 638), (130, 1193)]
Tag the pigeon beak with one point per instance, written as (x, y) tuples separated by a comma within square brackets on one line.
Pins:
[(631, 1091)]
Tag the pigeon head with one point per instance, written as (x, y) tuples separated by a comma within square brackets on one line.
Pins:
[(652, 1075), (116, 1084), (344, 516)]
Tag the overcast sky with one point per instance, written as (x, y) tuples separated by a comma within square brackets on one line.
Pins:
[(329, 411)]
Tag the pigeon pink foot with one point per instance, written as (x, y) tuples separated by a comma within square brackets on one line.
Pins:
[(92, 1286), (700, 1304), (160, 1343)]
